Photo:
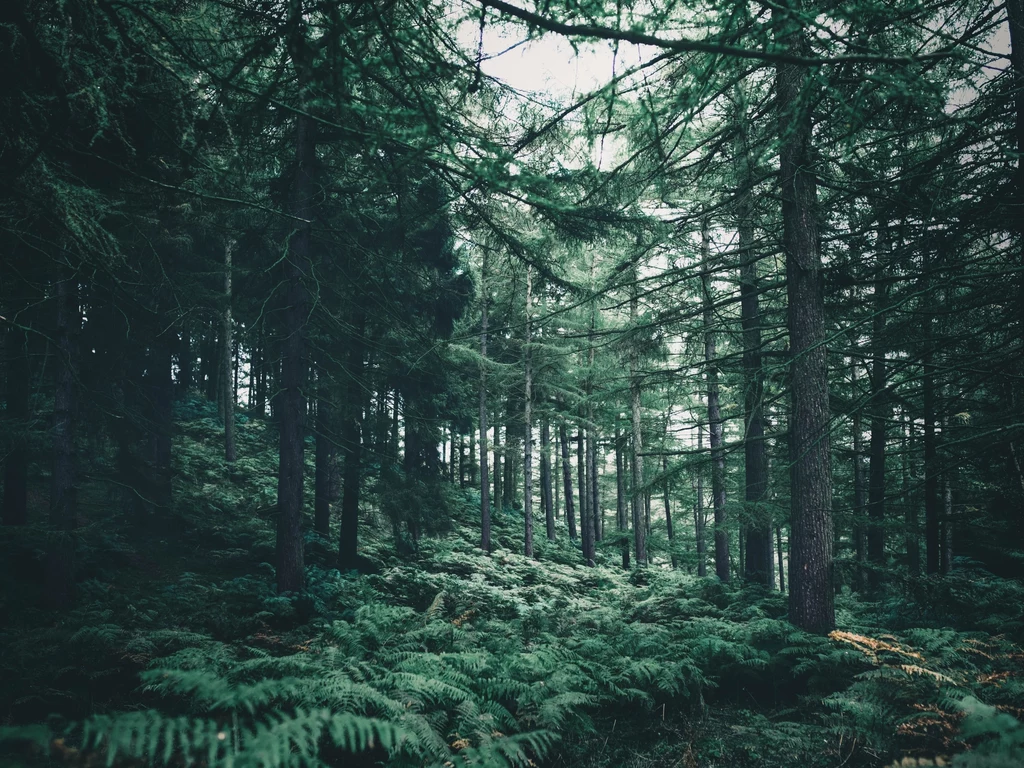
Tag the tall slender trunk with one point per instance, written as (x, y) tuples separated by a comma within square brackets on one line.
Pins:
[(325, 450), (908, 497), (698, 510), (60, 567), (860, 496), (811, 596), (290, 406), (528, 427), (636, 455), (758, 544), (15, 511), (161, 379), (351, 435), (668, 512), (622, 515), (715, 423), (879, 417), (498, 470), (545, 479), (932, 476), (586, 516), (782, 565), (226, 346), (570, 516), (186, 361)]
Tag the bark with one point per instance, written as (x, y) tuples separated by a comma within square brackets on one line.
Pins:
[(698, 511), (60, 567), (290, 407), (812, 597), (782, 565), (932, 476), (879, 419), (636, 459), (162, 399), (758, 563), (325, 451), (668, 512), (528, 428), (186, 361), (545, 479), (15, 510), (225, 350), (715, 422), (497, 466), (570, 515), (860, 496), (622, 515), (586, 514)]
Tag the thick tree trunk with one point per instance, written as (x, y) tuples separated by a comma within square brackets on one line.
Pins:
[(226, 346), (811, 596), (563, 438), (758, 544), (290, 409), (715, 422), (15, 510), (60, 567)]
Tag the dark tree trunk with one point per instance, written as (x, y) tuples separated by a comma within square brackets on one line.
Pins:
[(860, 495), (932, 476), (290, 409), (528, 427), (879, 418), (622, 512), (18, 392), (508, 480), (668, 513), (811, 593), (570, 516), (715, 422), (545, 479), (594, 501), (586, 517), (946, 531), (782, 564), (636, 458), (325, 451), (229, 373), (758, 544), (351, 435), (698, 511), (498, 469), (60, 566)]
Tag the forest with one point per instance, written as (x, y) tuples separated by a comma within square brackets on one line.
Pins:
[(536, 383)]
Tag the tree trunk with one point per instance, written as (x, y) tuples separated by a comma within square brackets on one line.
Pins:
[(586, 517), (758, 544), (879, 418), (782, 565), (811, 597), (932, 476), (16, 423), (715, 423), (290, 409), (860, 503), (186, 361), (226, 347), (498, 470), (60, 567), (528, 428), (698, 510), (668, 512), (162, 399), (545, 479), (622, 515), (325, 451), (636, 458), (563, 438)]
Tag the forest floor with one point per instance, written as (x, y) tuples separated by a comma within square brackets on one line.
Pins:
[(178, 649)]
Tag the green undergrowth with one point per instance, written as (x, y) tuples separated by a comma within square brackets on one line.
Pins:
[(179, 652)]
